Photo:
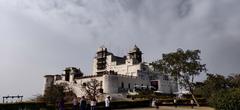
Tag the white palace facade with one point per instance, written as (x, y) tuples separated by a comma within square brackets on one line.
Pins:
[(116, 74)]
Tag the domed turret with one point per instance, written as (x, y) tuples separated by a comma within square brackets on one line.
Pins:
[(135, 49), (136, 55)]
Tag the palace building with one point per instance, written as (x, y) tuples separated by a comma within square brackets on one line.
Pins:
[(116, 74)]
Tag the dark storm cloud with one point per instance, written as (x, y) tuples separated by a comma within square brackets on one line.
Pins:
[(40, 37)]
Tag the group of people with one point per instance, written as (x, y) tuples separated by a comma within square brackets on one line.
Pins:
[(82, 104)]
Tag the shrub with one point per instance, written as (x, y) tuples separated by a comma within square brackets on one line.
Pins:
[(226, 100)]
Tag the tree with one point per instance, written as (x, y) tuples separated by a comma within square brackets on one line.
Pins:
[(53, 93), (92, 88), (211, 85), (221, 92), (183, 66), (56, 92), (228, 99), (234, 80)]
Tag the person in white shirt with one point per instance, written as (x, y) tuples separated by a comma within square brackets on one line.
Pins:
[(107, 103), (153, 102), (175, 102), (192, 103), (93, 104)]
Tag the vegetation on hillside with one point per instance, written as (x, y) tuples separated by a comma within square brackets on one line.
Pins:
[(222, 93)]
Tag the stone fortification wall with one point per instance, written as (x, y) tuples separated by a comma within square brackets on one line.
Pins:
[(110, 83)]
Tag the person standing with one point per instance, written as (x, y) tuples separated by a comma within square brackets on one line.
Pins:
[(107, 103), (61, 104), (75, 103), (175, 102), (192, 103), (83, 103), (153, 102), (93, 104)]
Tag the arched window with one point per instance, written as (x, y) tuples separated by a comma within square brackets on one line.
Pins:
[(84, 84), (129, 86)]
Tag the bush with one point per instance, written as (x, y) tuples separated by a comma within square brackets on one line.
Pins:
[(226, 100)]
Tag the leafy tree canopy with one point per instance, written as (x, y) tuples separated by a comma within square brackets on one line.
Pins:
[(183, 65), (211, 85)]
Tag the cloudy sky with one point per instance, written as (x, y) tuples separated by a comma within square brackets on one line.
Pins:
[(39, 37)]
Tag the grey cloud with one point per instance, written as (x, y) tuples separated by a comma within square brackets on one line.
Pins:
[(40, 37), (184, 8)]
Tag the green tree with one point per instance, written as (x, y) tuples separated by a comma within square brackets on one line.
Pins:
[(211, 85), (228, 99), (183, 66), (234, 80)]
